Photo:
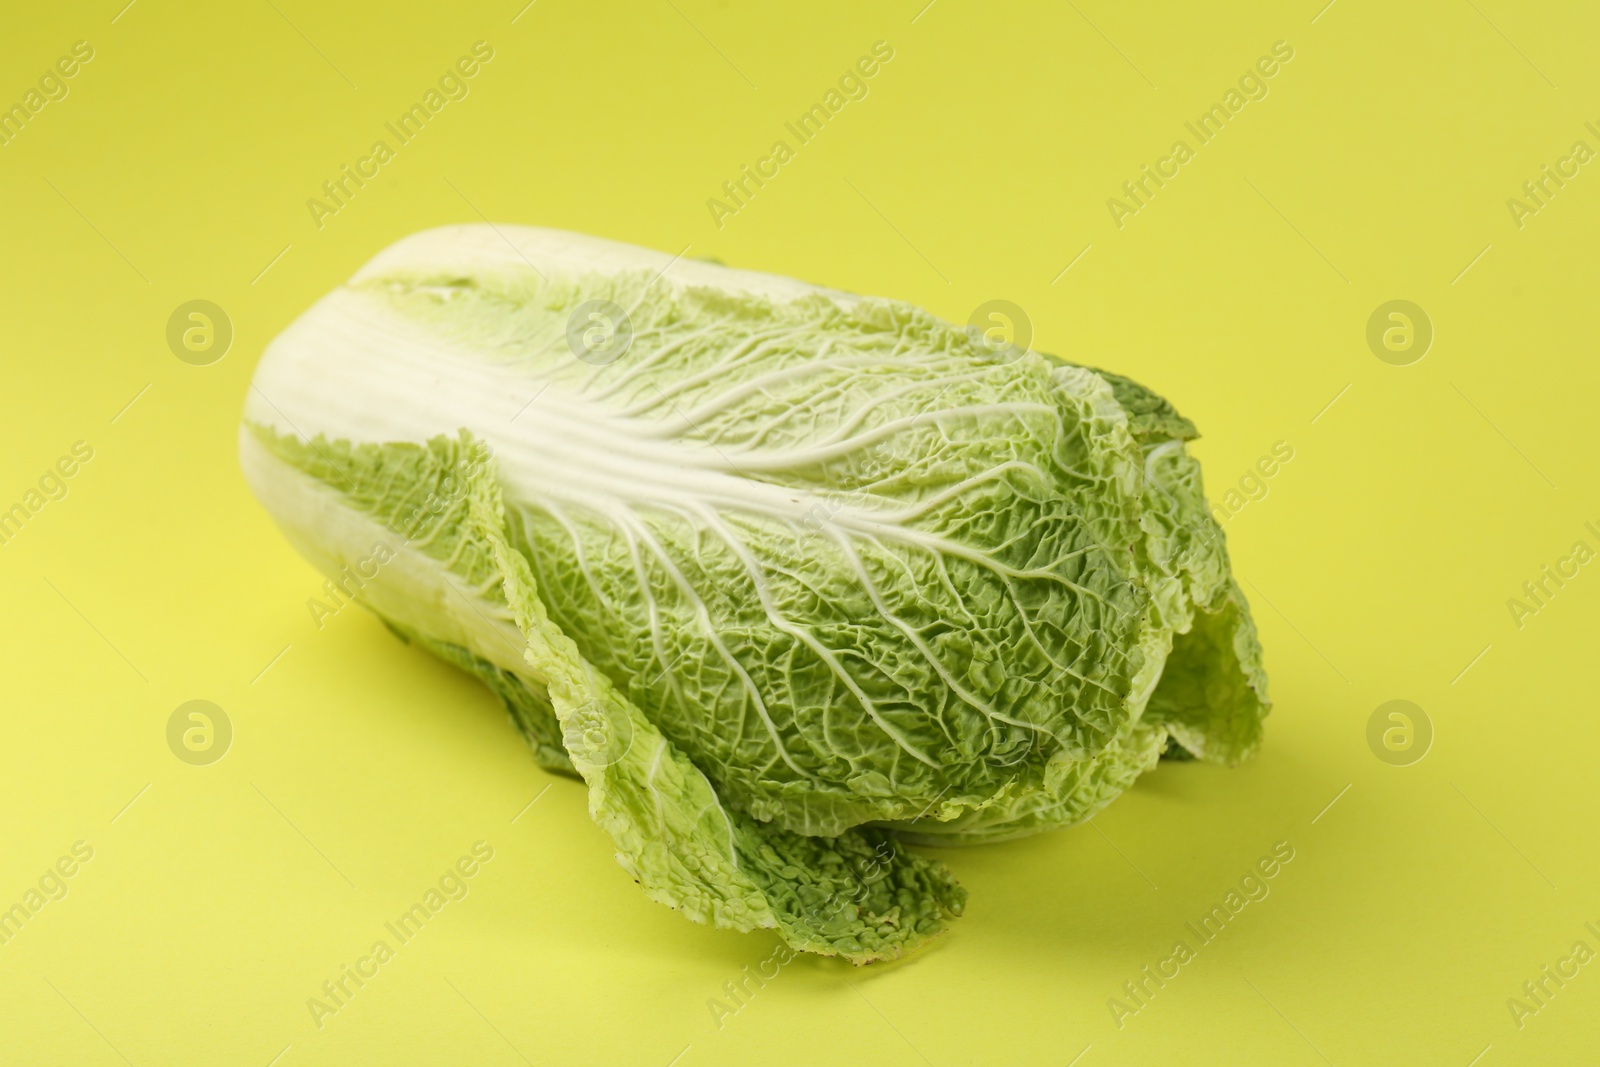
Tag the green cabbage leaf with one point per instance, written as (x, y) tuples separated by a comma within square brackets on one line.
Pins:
[(790, 578)]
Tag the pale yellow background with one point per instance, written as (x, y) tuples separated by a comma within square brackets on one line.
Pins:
[(1379, 564)]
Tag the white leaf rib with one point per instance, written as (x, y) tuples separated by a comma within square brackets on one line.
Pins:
[(640, 368), (951, 683), (752, 342), (749, 387), (881, 399), (753, 568), (559, 515), (793, 459), (653, 614), (623, 516)]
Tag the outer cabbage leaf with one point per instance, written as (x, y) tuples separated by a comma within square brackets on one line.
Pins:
[(1212, 696), (1205, 697)]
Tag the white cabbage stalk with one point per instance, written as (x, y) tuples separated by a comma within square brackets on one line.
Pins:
[(788, 577)]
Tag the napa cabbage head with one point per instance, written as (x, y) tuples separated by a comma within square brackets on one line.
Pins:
[(788, 577)]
